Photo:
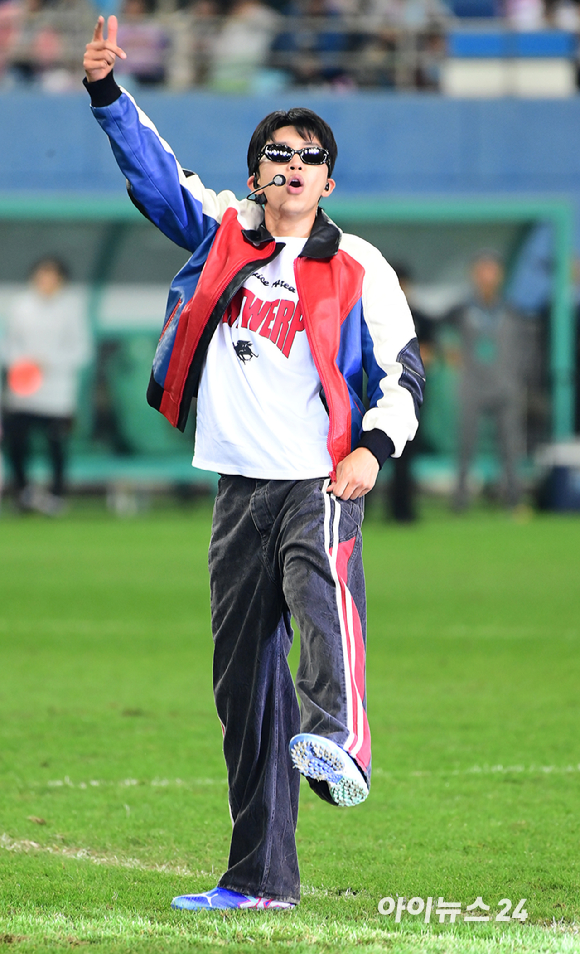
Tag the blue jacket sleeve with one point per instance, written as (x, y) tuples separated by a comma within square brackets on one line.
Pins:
[(179, 205)]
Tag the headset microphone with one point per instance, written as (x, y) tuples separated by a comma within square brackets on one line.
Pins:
[(278, 180)]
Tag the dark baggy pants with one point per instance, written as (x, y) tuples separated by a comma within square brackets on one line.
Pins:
[(20, 427), (282, 548)]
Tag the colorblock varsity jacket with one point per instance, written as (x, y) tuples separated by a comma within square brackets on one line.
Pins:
[(355, 314)]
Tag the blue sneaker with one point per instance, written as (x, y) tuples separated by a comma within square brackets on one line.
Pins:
[(323, 759), (221, 898)]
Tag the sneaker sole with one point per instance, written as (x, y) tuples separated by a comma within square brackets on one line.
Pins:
[(316, 760)]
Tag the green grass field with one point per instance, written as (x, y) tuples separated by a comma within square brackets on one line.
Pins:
[(113, 795)]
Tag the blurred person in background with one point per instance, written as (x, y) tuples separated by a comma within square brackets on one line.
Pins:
[(563, 15), (45, 346), (194, 28), (145, 41), (407, 14), (525, 14), (313, 50), (36, 45), (576, 280), (406, 47), (402, 490), (41, 39), (493, 361), (9, 19), (240, 48), (432, 53)]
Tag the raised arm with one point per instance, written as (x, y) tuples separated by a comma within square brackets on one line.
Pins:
[(176, 203)]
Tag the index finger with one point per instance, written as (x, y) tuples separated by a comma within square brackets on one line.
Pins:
[(98, 31)]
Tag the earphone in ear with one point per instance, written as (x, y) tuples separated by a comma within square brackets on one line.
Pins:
[(327, 187)]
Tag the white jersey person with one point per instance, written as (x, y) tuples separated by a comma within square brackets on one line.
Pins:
[(270, 324), (46, 344)]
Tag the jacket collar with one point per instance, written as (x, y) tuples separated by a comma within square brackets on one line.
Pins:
[(322, 242)]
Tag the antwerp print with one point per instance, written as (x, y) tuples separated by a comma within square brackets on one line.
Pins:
[(278, 321)]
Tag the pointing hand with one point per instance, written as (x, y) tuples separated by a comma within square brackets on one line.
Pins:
[(100, 54)]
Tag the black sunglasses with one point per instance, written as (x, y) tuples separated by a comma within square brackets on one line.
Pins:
[(280, 152)]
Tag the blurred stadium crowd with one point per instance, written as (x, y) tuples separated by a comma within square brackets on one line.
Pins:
[(260, 45)]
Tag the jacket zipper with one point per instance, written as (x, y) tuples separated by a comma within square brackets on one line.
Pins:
[(170, 319)]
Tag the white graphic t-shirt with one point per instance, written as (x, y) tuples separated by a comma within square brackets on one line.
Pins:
[(259, 411)]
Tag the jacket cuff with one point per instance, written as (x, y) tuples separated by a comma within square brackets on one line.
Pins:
[(378, 443), (103, 92)]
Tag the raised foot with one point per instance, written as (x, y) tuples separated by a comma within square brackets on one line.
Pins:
[(320, 758)]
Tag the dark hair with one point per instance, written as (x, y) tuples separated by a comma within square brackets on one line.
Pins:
[(55, 264), (304, 121)]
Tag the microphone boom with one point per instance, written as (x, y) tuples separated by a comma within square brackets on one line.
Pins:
[(278, 180)]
